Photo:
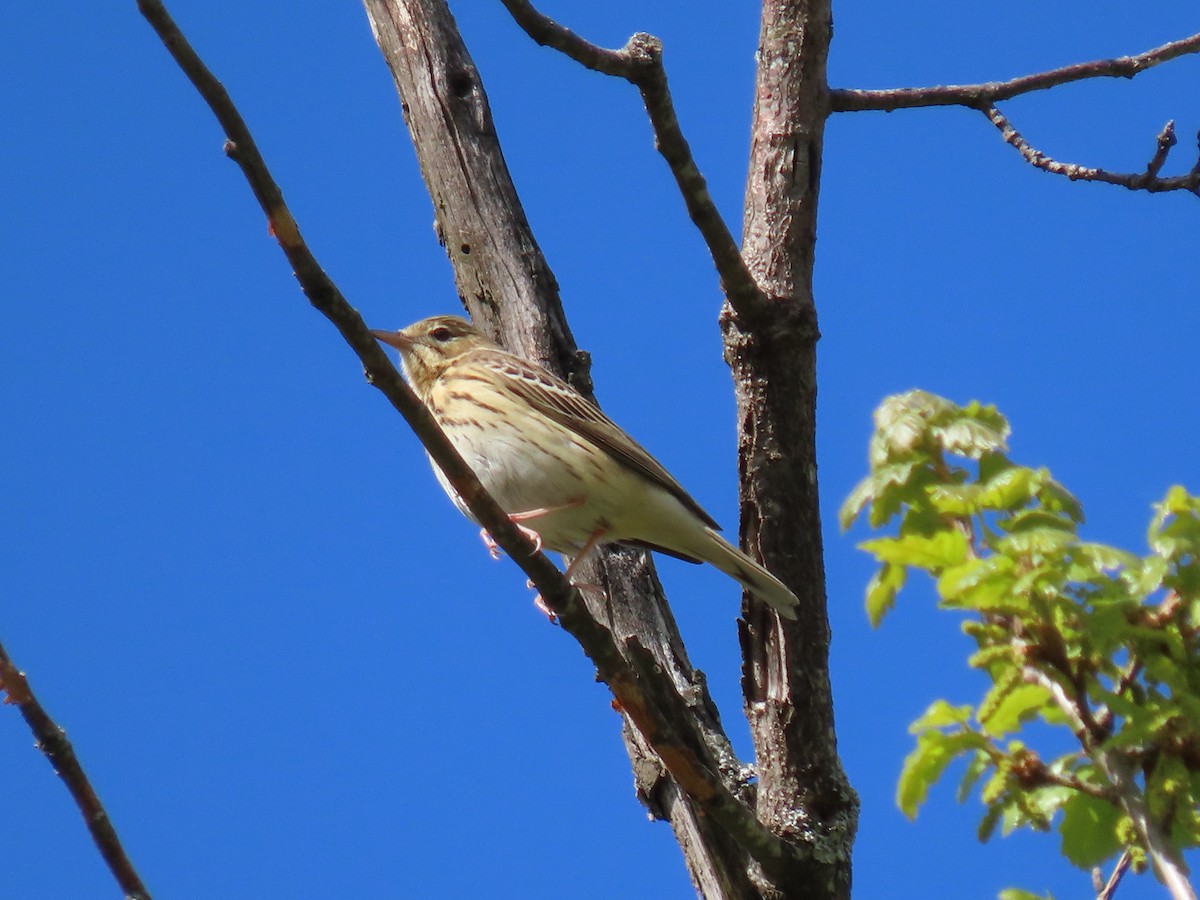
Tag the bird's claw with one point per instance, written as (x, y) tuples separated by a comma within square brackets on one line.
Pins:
[(493, 548), (550, 614)]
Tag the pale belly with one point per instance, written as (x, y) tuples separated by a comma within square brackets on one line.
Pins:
[(561, 486)]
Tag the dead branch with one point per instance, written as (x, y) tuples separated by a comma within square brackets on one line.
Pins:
[(649, 698), (1139, 181), (52, 741), (979, 95), (640, 63)]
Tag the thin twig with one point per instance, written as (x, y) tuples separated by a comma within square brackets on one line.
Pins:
[(1141, 181), (1164, 142), (1075, 783), (1105, 717), (1118, 872), (52, 741), (976, 95), (649, 699), (640, 63)]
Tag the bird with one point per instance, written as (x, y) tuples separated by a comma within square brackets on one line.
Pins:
[(560, 468)]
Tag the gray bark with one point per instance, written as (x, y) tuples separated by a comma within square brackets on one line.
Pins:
[(507, 286)]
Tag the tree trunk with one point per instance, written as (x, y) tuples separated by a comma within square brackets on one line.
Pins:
[(802, 790), (506, 284)]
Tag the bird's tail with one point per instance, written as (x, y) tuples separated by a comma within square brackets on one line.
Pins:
[(736, 564)]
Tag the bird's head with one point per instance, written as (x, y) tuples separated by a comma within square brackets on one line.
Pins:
[(429, 346)]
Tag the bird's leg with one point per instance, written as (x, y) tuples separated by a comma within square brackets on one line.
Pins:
[(544, 511), (517, 518), (589, 545), (494, 549), (584, 552)]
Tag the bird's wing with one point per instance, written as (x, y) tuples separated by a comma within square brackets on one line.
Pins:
[(559, 401)]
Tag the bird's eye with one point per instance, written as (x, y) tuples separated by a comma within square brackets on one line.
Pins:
[(440, 334)]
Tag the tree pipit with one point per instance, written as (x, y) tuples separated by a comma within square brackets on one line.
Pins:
[(554, 462)]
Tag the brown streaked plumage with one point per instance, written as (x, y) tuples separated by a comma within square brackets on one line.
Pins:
[(553, 460)]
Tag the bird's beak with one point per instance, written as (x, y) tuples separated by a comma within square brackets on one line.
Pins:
[(397, 339)]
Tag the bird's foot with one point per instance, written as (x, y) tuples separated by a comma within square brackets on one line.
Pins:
[(494, 549), (541, 604), (594, 589)]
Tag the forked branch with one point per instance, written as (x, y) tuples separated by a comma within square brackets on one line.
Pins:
[(640, 63), (1135, 181), (988, 93), (985, 96), (1168, 863), (640, 689)]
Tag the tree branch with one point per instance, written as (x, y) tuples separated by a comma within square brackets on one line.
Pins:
[(641, 690), (1142, 181), (510, 289), (802, 789), (640, 63), (1109, 889), (52, 741), (1168, 863), (978, 95)]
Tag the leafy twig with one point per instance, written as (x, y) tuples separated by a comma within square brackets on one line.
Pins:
[(1168, 863)]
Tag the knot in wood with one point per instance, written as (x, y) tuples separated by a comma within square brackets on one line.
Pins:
[(643, 50)]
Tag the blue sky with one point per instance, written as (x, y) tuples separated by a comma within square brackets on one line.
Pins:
[(287, 662)]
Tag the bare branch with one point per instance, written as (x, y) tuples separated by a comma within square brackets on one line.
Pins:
[(642, 692), (52, 741), (978, 95), (640, 63), (1110, 888), (1142, 181)]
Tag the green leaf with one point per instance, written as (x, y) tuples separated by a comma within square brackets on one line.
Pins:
[(1103, 558), (853, 505), (1037, 543), (882, 589), (1057, 498), (1011, 489), (1148, 578), (1089, 830), (1019, 894), (902, 423), (987, 825), (932, 552), (941, 714), (980, 584), (971, 431), (1046, 801), (992, 464), (1037, 520), (955, 499), (1018, 704), (925, 764), (1168, 536), (976, 769)]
